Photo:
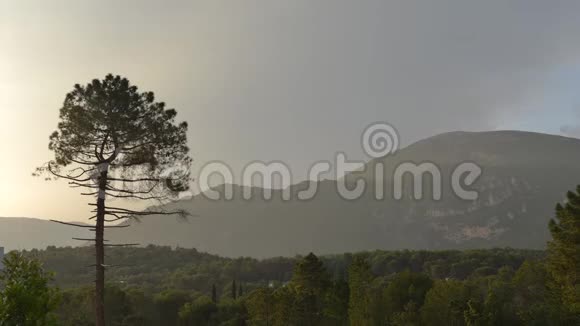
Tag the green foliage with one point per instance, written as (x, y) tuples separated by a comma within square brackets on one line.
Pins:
[(310, 284), (231, 313), (261, 307), (408, 317), (169, 303), (175, 289), (530, 293), (214, 297), (499, 306), (197, 313), (337, 303), (445, 303), (134, 129), (471, 288), (76, 308), (310, 276), (564, 256), (234, 290), (359, 281), (406, 287), (474, 315), (26, 297), (156, 268)]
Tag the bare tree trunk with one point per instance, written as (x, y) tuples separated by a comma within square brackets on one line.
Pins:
[(100, 252)]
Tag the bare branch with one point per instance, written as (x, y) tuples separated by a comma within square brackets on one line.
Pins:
[(89, 226), (72, 224), (133, 192), (58, 175), (121, 245), (136, 180), (136, 196), (75, 184), (82, 239)]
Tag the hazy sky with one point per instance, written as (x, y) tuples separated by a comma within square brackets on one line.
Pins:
[(284, 80)]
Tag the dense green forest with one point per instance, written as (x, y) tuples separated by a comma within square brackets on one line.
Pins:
[(165, 286), (156, 268)]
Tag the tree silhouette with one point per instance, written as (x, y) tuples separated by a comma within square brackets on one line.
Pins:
[(114, 141)]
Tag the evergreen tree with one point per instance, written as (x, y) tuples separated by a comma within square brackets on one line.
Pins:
[(404, 288), (445, 303), (499, 307), (359, 281), (336, 304), (310, 283), (529, 284), (114, 141), (564, 256), (213, 294), (310, 275), (260, 305), (234, 289)]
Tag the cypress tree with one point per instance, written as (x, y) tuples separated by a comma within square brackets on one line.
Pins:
[(234, 289), (213, 294)]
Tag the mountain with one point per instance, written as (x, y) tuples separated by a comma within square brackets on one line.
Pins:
[(31, 233), (524, 175)]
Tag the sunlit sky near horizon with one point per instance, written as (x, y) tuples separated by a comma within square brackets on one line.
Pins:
[(294, 81)]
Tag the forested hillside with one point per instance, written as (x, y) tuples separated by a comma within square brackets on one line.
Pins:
[(157, 268), (164, 286)]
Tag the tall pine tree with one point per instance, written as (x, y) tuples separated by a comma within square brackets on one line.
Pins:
[(310, 283), (564, 254), (116, 142)]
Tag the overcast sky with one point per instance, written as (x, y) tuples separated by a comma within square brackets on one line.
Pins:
[(284, 80)]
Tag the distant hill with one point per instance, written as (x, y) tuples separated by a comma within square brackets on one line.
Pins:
[(524, 175), (31, 233)]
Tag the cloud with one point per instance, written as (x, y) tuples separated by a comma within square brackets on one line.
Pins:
[(306, 77), (298, 80)]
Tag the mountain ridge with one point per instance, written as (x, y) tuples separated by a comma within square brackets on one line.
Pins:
[(25, 233), (524, 175)]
